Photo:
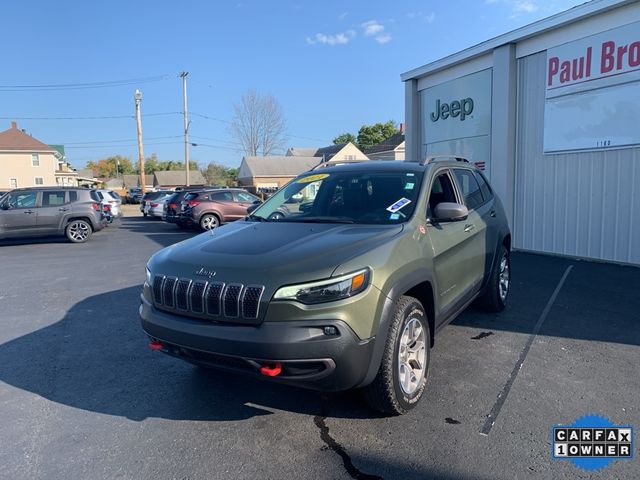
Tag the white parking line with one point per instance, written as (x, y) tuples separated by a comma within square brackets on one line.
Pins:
[(502, 396)]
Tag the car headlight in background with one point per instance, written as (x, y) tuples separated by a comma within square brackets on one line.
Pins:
[(328, 290), (148, 278)]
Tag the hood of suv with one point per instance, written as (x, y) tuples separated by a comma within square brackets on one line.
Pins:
[(270, 254)]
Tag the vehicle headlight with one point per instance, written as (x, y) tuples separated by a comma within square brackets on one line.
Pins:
[(327, 290), (148, 278)]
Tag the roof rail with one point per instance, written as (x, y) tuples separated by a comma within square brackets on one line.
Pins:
[(442, 157), (333, 163)]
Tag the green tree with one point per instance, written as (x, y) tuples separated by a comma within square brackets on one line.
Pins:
[(344, 138), (217, 174), (370, 135), (111, 167), (152, 165)]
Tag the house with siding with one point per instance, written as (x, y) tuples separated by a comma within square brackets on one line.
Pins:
[(26, 161)]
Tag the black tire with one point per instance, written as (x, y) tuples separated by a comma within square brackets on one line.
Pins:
[(385, 393), (492, 300), (78, 231), (144, 214), (209, 221)]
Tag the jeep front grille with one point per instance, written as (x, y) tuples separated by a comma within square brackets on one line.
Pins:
[(207, 299)]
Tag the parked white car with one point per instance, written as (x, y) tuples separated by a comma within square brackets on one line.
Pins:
[(111, 198), (155, 207)]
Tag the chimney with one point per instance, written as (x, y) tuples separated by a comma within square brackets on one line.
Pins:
[(402, 128), (14, 125)]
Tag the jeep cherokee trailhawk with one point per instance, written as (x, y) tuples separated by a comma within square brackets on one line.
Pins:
[(346, 292)]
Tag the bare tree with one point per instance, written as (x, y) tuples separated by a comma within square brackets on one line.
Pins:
[(258, 124)]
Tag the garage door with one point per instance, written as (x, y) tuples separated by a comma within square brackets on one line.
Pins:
[(584, 204)]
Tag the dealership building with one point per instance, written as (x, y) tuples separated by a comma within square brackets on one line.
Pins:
[(551, 111)]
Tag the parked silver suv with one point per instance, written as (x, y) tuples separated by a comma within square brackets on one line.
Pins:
[(43, 211)]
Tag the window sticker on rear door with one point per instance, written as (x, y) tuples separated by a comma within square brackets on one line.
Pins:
[(403, 202)]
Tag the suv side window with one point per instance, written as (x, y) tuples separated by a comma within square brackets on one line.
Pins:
[(470, 188), (244, 197), (21, 199), (487, 193), (222, 197), (50, 198), (441, 191), (73, 196)]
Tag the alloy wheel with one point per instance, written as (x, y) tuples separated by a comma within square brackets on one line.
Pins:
[(504, 279), (79, 231), (412, 356), (209, 222)]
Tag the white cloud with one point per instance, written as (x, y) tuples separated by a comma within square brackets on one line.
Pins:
[(383, 38), (376, 29), (431, 17), (341, 38), (372, 27), (343, 15)]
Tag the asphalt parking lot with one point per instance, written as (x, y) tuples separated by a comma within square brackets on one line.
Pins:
[(81, 395)]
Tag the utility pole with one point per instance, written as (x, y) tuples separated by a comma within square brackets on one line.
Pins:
[(143, 186), (186, 126)]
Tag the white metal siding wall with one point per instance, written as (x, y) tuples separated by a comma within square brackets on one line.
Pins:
[(582, 204)]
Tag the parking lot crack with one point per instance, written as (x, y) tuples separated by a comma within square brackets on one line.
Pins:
[(334, 446)]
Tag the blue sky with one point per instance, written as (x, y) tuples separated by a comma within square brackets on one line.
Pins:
[(333, 65)]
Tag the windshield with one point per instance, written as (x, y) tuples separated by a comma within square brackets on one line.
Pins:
[(344, 197)]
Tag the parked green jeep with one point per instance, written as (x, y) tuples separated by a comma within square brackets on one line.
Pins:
[(346, 289)]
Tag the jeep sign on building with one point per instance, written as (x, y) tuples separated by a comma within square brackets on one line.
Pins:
[(551, 112), (458, 117)]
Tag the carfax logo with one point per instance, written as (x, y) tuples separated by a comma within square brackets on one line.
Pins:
[(592, 442)]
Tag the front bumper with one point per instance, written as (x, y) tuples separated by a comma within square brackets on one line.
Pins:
[(309, 357)]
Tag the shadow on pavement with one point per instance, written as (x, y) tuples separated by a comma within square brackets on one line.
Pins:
[(598, 302), (160, 232), (97, 359)]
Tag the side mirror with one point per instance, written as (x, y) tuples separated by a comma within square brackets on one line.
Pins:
[(450, 212), (257, 202), (5, 206)]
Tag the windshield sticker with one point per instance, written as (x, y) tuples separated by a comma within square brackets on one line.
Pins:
[(409, 186), (313, 178), (403, 202), (411, 174), (394, 216)]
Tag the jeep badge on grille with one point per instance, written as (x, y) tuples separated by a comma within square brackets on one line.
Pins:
[(203, 272)]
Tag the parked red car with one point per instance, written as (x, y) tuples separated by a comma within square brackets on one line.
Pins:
[(210, 209)]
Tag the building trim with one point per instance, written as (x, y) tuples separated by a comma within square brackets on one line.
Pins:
[(575, 14)]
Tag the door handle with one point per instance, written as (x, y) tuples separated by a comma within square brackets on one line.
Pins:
[(492, 213), (469, 227), (63, 209), (29, 212)]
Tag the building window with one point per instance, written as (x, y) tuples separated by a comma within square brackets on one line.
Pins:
[(351, 157), (39, 181), (35, 160), (13, 182)]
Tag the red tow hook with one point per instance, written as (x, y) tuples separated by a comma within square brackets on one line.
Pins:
[(271, 370), (155, 345)]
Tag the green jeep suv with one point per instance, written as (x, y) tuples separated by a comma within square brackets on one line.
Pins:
[(346, 289)]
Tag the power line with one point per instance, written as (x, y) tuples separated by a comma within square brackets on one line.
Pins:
[(120, 145), (103, 117), (82, 86), (208, 117), (118, 141)]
